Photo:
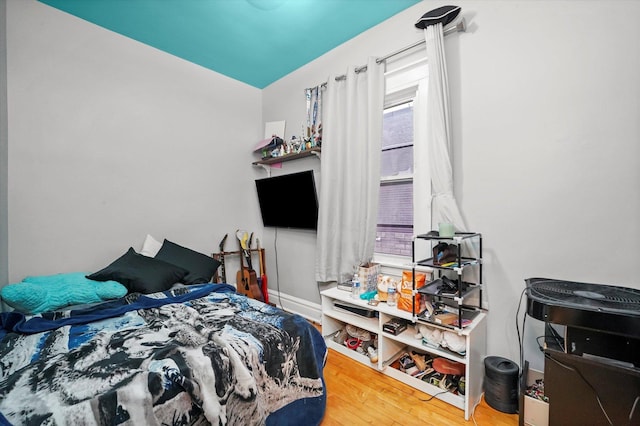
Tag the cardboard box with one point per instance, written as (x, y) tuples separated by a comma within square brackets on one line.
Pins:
[(395, 326), (536, 412), (407, 300)]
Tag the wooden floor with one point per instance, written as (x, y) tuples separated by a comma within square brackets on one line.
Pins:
[(359, 395)]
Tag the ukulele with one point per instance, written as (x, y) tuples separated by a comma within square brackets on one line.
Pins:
[(246, 279), (262, 280)]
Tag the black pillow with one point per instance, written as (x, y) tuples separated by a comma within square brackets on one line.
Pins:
[(200, 267), (140, 273), (444, 14)]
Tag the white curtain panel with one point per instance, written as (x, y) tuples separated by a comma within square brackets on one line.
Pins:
[(444, 207), (349, 172)]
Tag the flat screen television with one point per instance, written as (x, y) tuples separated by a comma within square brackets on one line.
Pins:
[(289, 201)]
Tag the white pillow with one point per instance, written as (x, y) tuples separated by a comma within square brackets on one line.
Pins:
[(150, 247)]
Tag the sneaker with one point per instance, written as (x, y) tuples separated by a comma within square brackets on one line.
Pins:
[(446, 366), (445, 383), (359, 333), (461, 385), (455, 384), (408, 366), (373, 354), (433, 378)]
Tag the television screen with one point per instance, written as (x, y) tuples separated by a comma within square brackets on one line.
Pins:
[(289, 201)]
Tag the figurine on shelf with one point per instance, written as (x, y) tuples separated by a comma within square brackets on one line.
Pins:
[(317, 137), (272, 148), (295, 144)]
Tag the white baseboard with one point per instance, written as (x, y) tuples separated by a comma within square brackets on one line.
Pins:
[(295, 305)]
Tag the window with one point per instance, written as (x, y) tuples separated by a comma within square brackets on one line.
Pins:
[(405, 187), (395, 209)]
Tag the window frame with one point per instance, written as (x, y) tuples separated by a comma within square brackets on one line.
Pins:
[(388, 233)]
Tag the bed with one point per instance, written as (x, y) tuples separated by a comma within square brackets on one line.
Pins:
[(193, 354)]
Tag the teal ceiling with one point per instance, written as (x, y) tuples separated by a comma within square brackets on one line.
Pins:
[(254, 41)]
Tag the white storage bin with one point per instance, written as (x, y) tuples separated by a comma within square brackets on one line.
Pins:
[(536, 412)]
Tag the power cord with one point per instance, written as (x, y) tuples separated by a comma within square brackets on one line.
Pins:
[(558, 339), (434, 395), (540, 346), (473, 410), (633, 408), (275, 251), (521, 336)]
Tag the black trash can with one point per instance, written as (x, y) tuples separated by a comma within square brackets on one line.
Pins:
[(501, 384)]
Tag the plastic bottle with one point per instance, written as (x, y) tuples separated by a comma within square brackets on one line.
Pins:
[(355, 287), (392, 295)]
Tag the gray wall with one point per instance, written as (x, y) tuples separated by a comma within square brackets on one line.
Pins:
[(110, 139), (547, 162)]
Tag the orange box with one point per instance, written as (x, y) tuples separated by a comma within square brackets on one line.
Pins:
[(407, 299)]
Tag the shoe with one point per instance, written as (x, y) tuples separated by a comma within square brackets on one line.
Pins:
[(373, 354), (433, 378), (405, 361), (455, 384), (446, 366), (445, 383), (359, 333), (420, 360), (408, 366), (461, 385)]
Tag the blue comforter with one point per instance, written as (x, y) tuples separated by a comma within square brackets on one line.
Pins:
[(189, 356)]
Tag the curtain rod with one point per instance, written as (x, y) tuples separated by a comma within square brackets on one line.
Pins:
[(461, 26)]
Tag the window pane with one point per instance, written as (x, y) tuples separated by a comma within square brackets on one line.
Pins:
[(395, 218), (397, 125), (397, 141), (397, 162)]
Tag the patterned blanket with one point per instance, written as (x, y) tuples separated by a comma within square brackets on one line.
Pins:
[(190, 356)]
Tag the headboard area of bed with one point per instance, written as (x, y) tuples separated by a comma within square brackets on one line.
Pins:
[(156, 268)]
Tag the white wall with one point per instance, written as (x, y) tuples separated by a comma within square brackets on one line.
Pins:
[(110, 139), (545, 102)]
